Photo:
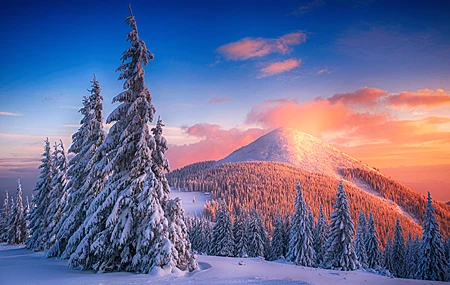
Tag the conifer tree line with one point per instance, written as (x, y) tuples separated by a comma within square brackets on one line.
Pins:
[(107, 208), (333, 243)]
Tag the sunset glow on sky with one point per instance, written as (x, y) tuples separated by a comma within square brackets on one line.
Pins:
[(372, 78)]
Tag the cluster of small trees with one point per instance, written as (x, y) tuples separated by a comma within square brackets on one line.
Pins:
[(108, 208), (298, 238), (13, 225)]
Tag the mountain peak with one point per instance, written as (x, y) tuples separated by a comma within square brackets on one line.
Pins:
[(297, 148)]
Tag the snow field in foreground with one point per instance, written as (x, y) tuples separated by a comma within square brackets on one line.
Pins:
[(19, 266)]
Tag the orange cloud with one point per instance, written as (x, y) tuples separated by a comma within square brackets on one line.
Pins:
[(215, 143), (365, 96), (422, 98), (279, 67), (313, 117), (257, 47)]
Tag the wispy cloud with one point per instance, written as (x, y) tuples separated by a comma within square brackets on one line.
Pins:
[(305, 8), (258, 47), (219, 100), (422, 98), (9, 114), (280, 67)]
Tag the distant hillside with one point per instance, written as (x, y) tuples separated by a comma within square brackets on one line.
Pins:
[(263, 175), (271, 188)]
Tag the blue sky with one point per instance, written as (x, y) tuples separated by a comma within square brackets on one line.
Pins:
[(50, 49)]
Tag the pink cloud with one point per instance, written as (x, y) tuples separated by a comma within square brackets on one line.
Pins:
[(219, 100), (280, 67), (365, 96), (422, 98), (257, 47)]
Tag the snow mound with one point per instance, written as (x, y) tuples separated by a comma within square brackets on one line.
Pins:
[(296, 148)]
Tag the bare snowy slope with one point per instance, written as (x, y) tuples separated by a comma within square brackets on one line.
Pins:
[(296, 148)]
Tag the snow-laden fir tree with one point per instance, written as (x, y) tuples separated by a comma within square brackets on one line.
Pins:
[(240, 233), (57, 195), (222, 242), (411, 257), (432, 262), (257, 237), (371, 245), (387, 256), (83, 184), (11, 216), (278, 239), (360, 242), (301, 239), (398, 251), (178, 235), (126, 225), (4, 219), (17, 232), (320, 236), (38, 221), (340, 253)]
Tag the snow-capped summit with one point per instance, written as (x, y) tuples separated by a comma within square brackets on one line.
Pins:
[(297, 148)]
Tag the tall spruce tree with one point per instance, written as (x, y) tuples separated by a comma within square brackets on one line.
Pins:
[(371, 244), (222, 242), (411, 257), (387, 256), (17, 232), (340, 252), (57, 195), (4, 226), (301, 243), (321, 232), (257, 237), (432, 262), (83, 184), (127, 226), (398, 251), (360, 242), (38, 221), (240, 233), (278, 239)]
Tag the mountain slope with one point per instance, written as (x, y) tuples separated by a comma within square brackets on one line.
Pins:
[(263, 175), (296, 148)]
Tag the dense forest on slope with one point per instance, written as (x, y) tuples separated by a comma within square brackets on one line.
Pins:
[(270, 187), (411, 201)]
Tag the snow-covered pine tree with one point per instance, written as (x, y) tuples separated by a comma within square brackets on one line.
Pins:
[(57, 195), (360, 242), (320, 236), (12, 213), (340, 253), (398, 251), (432, 262), (17, 233), (222, 242), (371, 244), (84, 183), (240, 233), (257, 237), (178, 235), (278, 239), (387, 256), (4, 219), (206, 234), (38, 221), (126, 225), (301, 239), (411, 257)]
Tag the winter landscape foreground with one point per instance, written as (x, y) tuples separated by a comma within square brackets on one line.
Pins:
[(20, 266)]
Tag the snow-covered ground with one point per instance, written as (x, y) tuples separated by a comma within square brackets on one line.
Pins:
[(190, 207), (19, 266)]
